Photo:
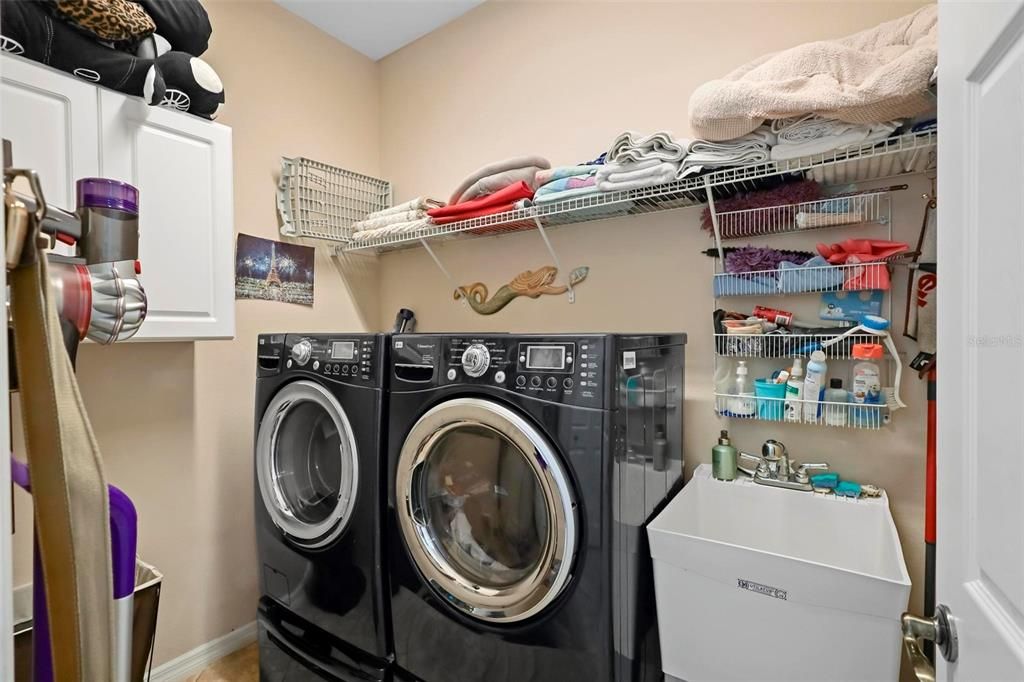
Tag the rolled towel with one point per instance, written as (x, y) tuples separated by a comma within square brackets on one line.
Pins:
[(390, 230), (388, 219), (417, 204), (495, 168)]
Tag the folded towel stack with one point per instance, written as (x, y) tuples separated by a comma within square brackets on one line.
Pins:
[(565, 182), (497, 176), (620, 176), (749, 149), (810, 135), (402, 218), (505, 199), (631, 146)]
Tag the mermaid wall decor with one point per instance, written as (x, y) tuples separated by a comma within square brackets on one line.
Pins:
[(529, 283)]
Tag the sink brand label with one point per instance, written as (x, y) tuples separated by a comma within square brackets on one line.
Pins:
[(766, 590)]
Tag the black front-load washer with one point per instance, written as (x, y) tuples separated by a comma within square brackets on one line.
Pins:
[(319, 502), (521, 473)]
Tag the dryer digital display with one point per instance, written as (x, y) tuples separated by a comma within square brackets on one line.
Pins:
[(343, 350), (545, 357)]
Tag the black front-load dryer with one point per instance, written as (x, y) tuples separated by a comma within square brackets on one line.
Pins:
[(319, 501), (521, 473)]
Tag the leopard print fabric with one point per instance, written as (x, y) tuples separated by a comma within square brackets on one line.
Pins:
[(118, 21)]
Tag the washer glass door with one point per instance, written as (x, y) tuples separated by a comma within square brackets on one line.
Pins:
[(486, 510), (307, 464)]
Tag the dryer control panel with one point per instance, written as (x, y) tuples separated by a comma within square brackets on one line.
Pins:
[(346, 358), (557, 368)]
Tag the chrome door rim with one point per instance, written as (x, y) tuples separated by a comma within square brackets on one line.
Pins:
[(530, 595), (307, 534)]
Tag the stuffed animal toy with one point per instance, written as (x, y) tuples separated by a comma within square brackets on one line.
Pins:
[(192, 85), (150, 65)]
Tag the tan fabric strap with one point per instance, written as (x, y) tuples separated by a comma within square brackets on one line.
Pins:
[(72, 516)]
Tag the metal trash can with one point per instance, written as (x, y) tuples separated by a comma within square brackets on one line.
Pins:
[(145, 603)]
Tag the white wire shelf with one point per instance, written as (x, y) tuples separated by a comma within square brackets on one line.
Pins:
[(787, 345), (912, 153), (858, 209), (807, 412), (804, 280)]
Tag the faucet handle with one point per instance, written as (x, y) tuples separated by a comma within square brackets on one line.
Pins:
[(758, 461), (802, 472)]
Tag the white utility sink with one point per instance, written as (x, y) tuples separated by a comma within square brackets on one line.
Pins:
[(762, 583)]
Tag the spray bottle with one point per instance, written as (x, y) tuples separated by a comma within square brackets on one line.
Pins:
[(794, 392)]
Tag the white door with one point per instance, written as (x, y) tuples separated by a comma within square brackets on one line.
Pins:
[(51, 120), (183, 168), (980, 543)]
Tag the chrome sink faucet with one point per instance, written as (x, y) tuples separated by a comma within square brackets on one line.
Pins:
[(774, 468)]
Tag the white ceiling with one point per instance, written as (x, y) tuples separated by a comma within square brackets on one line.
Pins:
[(378, 27)]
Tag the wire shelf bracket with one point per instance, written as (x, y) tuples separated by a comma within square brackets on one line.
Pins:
[(554, 257)]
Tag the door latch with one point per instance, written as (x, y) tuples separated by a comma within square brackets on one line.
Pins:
[(939, 629)]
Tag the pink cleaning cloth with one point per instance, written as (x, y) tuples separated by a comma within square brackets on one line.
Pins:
[(865, 250)]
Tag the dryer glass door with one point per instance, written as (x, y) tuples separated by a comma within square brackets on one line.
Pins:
[(307, 464), (487, 510)]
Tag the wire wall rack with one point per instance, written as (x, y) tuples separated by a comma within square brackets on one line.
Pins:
[(320, 201), (868, 417), (798, 279), (788, 345), (912, 153), (840, 211)]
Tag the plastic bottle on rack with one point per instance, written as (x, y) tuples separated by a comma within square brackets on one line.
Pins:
[(867, 386), (743, 403), (814, 386), (792, 408), (835, 412)]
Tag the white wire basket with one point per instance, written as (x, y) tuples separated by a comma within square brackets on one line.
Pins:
[(812, 215), (787, 345), (811, 412), (321, 202), (803, 280)]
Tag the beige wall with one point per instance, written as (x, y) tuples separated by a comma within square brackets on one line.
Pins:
[(175, 420), (561, 80), (558, 79)]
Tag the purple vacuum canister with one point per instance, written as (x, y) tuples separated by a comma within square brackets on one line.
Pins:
[(109, 213), (107, 193)]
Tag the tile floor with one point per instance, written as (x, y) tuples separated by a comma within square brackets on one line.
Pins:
[(241, 666)]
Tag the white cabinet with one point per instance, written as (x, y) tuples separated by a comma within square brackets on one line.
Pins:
[(68, 129), (182, 167), (51, 121)]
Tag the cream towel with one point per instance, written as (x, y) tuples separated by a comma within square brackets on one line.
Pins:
[(811, 135), (879, 74), (661, 146)]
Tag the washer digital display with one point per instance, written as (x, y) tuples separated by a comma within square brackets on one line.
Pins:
[(545, 357), (343, 350)]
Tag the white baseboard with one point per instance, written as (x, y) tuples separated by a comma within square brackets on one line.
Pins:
[(192, 662)]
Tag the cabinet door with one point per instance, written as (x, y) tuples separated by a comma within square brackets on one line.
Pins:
[(52, 122), (183, 169)]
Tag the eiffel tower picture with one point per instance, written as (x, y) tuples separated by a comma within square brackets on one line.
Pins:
[(273, 279)]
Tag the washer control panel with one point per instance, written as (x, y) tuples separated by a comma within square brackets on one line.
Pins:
[(350, 359), (555, 368)]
